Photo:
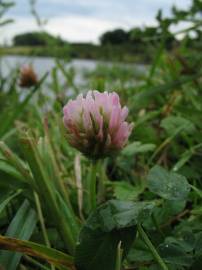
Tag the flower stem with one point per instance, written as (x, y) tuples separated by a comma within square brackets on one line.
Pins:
[(153, 250), (92, 191), (101, 168)]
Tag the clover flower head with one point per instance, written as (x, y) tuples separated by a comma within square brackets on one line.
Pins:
[(28, 77), (96, 124)]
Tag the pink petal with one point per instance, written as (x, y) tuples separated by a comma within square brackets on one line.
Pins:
[(124, 113), (115, 119)]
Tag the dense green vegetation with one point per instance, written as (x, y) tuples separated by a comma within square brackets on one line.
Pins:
[(148, 212)]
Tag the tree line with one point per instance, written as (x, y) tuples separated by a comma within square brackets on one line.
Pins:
[(138, 36)]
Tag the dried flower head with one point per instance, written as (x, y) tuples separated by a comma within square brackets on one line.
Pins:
[(28, 77), (96, 124)]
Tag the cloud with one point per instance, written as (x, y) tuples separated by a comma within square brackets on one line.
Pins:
[(86, 20), (77, 28), (71, 28)]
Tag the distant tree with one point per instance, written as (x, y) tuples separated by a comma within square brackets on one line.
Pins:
[(116, 37), (135, 35), (136, 39), (150, 32), (37, 39)]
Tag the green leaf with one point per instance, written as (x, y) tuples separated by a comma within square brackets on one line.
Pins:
[(186, 240), (139, 252), (126, 191), (50, 255), (137, 147), (22, 226), (165, 212), (168, 185), (174, 124), (110, 224), (174, 254)]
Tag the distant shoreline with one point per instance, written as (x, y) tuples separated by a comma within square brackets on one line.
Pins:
[(88, 52)]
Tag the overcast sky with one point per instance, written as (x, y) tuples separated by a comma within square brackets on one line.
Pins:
[(86, 20)]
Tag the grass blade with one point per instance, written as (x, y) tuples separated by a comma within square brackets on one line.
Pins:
[(50, 255), (22, 226), (8, 119), (5, 202)]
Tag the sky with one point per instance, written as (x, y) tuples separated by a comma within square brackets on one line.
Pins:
[(85, 20)]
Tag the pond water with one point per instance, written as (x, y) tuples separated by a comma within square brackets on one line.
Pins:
[(44, 64)]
